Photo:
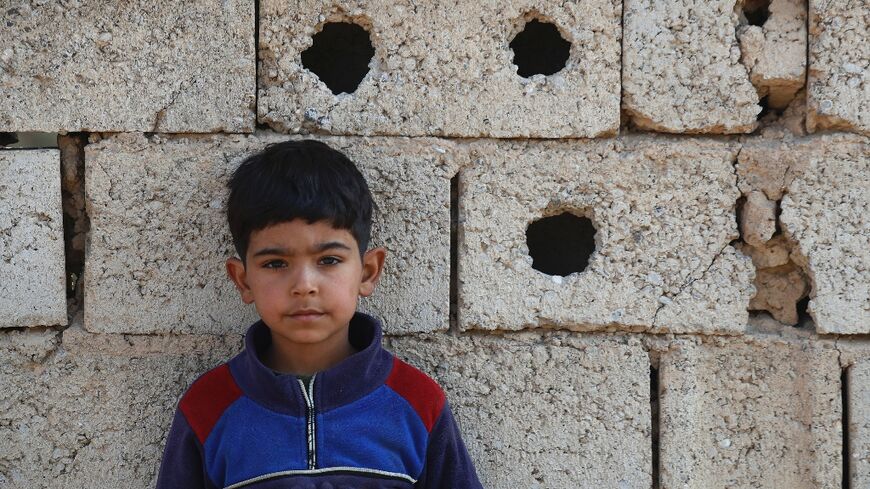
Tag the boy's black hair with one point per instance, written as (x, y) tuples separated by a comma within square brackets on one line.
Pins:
[(302, 179)]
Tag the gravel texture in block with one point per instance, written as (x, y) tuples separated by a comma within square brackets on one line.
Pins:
[(553, 411), (32, 269), (826, 211), (444, 68), (756, 412), (664, 214), (159, 236), (93, 410), (100, 65), (838, 96), (682, 68)]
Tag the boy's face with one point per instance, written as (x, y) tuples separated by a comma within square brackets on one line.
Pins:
[(305, 279)]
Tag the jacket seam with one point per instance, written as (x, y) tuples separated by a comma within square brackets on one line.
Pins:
[(408, 403), (200, 447), (435, 425)]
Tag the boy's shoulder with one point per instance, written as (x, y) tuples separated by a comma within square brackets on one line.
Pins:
[(420, 391), (203, 403)]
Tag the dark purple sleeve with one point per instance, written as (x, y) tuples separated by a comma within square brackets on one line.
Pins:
[(448, 465), (182, 465)]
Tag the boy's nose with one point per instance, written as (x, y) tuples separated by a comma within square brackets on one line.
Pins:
[(303, 282)]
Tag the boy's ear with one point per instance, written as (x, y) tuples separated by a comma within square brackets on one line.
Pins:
[(373, 265), (236, 272)]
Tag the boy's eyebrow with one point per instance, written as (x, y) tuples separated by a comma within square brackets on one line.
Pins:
[(319, 248), (329, 245)]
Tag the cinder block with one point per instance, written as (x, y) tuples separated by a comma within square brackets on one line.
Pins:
[(682, 68), (97, 65), (826, 211), (159, 237), (761, 412), (32, 270), (93, 410), (858, 389), (664, 215), (551, 411), (839, 58), (444, 68)]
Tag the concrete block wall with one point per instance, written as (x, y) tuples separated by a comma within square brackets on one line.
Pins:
[(628, 238)]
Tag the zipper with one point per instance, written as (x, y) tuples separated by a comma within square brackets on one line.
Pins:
[(311, 426)]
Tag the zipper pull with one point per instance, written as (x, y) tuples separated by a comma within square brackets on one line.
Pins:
[(310, 428)]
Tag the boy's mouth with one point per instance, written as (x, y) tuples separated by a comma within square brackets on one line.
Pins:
[(306, 314)]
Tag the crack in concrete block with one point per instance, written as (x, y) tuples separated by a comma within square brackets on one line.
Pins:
[(823, 214), (681, 68), (775, 53), (664, 215)]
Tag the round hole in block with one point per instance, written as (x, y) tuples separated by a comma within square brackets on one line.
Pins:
[(340, 55), (561, 244), (756, 11), (539, 49)]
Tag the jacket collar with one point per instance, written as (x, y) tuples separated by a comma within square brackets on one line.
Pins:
[(349, 380)]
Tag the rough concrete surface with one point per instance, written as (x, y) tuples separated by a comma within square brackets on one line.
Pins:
[(778, 291), (757, 219), (159, 237), (786, 123), (775, 53), (821, 183), (444, 68), (858, 389), (664, 210), (93, 410), (760, 413), (32, 269), (839, 65), (545, 411), (773, 253), (769, 165), (826, 211), (682, 68), (99, 65)]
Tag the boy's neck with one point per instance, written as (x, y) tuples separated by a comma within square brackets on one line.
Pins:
[(304, 359)]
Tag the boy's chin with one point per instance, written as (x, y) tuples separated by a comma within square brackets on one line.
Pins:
[(308, 334)]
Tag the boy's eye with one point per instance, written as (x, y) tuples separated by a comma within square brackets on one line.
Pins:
[(274, 264), (330, 260)]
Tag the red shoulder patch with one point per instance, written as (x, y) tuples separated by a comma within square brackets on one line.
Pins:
[(208, 398), (421, 392)]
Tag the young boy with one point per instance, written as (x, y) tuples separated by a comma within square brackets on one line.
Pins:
[(313, 401)]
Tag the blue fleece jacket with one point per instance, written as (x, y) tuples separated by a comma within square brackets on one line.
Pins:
[(370, 422)]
